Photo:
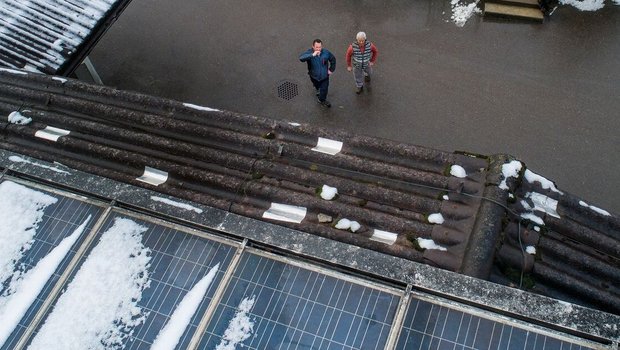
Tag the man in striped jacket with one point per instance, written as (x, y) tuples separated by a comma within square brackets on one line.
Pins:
[(361, 56)]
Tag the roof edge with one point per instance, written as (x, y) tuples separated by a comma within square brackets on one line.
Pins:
[(565, 317)]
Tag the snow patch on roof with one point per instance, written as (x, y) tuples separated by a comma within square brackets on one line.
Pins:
[(596, 209), (240, 327), (200, 108), (176, 204), (533, 218), (511, 169), (328, 193), (532, 177), (436, 218), (458, 171), (18, 118), (430, 244), (115, 273), (346, 224), (17, 159)]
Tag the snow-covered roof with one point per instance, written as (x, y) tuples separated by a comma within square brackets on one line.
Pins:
[(52, 36), (461, 212)]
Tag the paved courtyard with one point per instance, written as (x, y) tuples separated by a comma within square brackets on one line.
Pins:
[(545, 93)]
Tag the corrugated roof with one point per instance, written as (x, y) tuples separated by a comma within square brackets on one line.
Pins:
[(44, 35), (271, 170), (577, 248)]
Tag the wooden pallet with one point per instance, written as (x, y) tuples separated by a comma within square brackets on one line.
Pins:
[(512, 11), (520, 3)]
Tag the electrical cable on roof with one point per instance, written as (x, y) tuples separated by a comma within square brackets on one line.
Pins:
[(449, 191)]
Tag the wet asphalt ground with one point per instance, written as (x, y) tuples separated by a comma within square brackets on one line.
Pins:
[(547, 94)]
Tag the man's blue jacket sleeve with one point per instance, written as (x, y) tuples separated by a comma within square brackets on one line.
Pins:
[(306, 55)]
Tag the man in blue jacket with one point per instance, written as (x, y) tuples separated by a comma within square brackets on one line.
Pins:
[(321, 64)]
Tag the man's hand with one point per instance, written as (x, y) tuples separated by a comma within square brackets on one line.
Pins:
[(349, 69), (329, 72), (372, 64), (316, 53)]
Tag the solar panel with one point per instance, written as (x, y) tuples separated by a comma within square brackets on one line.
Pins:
[(298, 307), (179, 259), (429, 325), (59, 221)]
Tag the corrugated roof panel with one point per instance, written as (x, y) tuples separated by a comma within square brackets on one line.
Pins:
[(40, 35)]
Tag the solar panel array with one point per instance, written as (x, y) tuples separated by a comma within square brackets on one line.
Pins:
[(432, 326), (59, 221), (295, 305), (299, 308)]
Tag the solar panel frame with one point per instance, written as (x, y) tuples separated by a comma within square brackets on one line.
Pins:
[(425, 311), (298, 285)]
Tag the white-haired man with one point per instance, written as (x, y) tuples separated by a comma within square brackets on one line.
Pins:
[(361, 57)]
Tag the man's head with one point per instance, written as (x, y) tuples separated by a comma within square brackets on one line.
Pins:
[(317, 45), (361, 38)]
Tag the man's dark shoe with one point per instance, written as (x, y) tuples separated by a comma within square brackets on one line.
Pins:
[(324, 103), (359, 90)]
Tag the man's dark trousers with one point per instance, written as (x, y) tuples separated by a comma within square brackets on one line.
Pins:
[(322, 86)]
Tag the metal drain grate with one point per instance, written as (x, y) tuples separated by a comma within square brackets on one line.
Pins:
[(287, 90)]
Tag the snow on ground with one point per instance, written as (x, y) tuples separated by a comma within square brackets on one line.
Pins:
[(596, 209), (28, 286), (169, 336), (430, 244), (21, 209), (17, 159), (511, 169), (462, 11), (585, 5), (328, 193), (530, 250), (176, 204), (240, 327), (99, 308), (458, 171)]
